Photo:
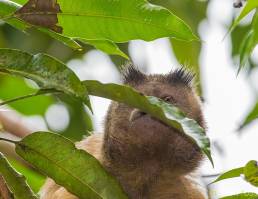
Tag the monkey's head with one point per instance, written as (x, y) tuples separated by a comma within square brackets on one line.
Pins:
[(132, 136)]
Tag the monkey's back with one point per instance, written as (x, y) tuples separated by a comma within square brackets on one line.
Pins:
[(167, 187)]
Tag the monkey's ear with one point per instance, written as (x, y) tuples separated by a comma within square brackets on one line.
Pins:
[(181, 76), (131, 74)]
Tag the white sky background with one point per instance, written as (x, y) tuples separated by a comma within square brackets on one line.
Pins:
[(228, 98)]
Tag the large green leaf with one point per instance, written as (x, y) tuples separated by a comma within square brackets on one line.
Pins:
[(242, 196), (76, 170), (115, 20), (155, 107), (7, 8), (44, 70), (15, 182)]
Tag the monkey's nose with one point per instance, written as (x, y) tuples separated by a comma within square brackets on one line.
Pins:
[(136, 114)]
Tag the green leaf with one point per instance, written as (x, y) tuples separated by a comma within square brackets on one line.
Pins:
[(242, 196), (230, 174), (46, 71), (76, 170), (155, 107), (106, 46), (116, 20), (251, 172), (246, 48), (8, 8), (249, 42), (252, 115), (15, 182)]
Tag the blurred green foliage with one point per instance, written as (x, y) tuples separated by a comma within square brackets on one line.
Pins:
[(12, 87)]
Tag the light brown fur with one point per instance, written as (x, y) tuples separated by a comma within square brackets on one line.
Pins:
[(149, 159)]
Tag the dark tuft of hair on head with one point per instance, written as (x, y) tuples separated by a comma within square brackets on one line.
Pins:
[(132, 74), (181, 76)]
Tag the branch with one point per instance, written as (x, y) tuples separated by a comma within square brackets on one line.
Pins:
[(11, 123)]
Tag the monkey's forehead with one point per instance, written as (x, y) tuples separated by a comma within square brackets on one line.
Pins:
[(133, 76)]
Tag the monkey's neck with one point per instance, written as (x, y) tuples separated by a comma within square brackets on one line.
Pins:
[(137, 171), (135, 179)]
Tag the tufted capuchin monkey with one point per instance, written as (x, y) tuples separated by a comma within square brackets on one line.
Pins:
[(150, 159)]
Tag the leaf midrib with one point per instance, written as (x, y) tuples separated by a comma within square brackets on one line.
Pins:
[(34, 76), (21, 144), (103, 16)]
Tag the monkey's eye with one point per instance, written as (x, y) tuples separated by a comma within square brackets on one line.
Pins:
[(169, 99)]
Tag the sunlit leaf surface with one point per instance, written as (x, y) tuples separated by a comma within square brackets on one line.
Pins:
[(116, 20), (155, 107), (76, 170)]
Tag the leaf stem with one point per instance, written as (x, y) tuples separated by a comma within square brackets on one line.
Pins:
[(7, 140), (39, 92)]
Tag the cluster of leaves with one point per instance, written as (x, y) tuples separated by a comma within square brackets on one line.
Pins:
[(249, 41), (101, 24), (250, 174)]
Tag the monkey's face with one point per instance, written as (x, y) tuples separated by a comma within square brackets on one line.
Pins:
[(134, 136)]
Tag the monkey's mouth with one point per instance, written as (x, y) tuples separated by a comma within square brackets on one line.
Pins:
[(137, 114)]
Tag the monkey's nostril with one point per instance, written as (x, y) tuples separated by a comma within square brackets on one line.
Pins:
[(136, 114)]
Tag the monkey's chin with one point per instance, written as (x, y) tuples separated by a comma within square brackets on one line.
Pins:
[(139, 118), (149, 131)]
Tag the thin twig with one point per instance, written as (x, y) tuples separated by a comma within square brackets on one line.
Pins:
[(7, 140), (40, 92), (211, 175)]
